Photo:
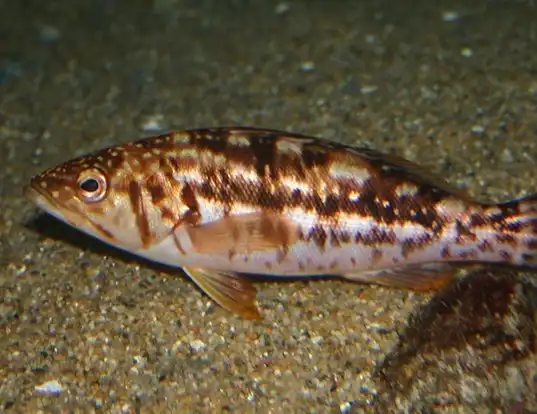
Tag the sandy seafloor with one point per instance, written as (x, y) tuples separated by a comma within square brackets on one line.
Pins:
[(450, 84)]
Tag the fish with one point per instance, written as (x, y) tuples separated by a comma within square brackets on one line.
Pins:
[(225, 203)]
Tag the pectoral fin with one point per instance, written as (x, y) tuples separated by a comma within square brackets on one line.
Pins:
[(423, 277), (232, 292), (242, 233)]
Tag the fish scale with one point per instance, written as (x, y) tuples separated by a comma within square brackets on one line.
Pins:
[(227, 201)]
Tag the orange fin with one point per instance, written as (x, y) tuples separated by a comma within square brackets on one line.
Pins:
[(422, 277), (232, 292), (243, 233)]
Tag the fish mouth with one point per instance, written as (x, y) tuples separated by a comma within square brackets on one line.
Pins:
[(39, 197), (47, 203), (31, 193)]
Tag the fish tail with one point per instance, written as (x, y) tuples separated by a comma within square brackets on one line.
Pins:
[(515, 224)]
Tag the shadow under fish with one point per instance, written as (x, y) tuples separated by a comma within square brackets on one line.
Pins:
[(478, 330)]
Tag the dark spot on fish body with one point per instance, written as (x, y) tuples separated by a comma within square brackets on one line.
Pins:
[(209, 190), (513, 226), (344, 236), (428, 218), (421, 212), (211, 141), (335, 238), (376, 255), (138, 208), (485, 246), (367, 204), (529, 258), (508, 239), (532, 244), (297, 198), (479, 220), (319, 236), (464, 235), (375, 236), (506, 256), (315, 156), (388, 213), (263, 147), (188, 197), (264, 197), (330, 206), (192, 216), (407, 247), (172, 162), (467, 255), (291, 165), (155, 187), (168, 214)]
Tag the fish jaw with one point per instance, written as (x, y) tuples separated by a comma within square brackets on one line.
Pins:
[(48, 204)]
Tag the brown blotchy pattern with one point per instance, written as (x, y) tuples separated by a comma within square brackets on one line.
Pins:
[(137, 203), (192, 216), (310, 165), (409, 245)]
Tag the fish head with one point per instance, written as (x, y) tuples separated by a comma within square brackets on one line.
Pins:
[(117, 195)]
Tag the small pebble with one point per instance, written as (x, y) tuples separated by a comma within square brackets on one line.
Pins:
[(282, 8), (467, 52), (450, 16), (345, 407), (370, 39), (317, 340), (151, 122), (307, 66), (49, 388), (367, 89), (49, 34), (197, 345), (478, 129), (506, 156)]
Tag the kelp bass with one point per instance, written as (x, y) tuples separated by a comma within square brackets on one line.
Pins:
[(227, 201)]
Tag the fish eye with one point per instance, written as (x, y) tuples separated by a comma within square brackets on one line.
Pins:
[(92, 186)]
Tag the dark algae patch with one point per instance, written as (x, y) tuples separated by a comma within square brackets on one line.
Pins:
[(472, 345)]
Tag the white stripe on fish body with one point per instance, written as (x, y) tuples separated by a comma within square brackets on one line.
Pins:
[(306, 258), (303, 257)]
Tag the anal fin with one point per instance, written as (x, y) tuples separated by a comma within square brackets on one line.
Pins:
[(421, 277), (232, 292)]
